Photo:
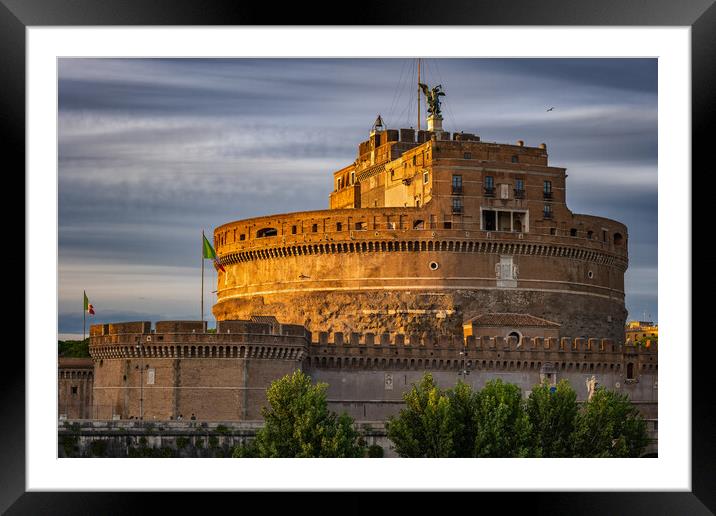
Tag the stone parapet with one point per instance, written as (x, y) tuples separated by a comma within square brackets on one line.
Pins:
[(398, 351)]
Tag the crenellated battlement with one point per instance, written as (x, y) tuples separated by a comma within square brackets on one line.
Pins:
[(418, 352), (457, 342), (250, 339), (190, 339)]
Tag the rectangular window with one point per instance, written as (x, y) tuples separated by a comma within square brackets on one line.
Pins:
[(360, 226), (339, 226), (467, 155), (314, 228), (447, 225), (504, 221), (515, 159), (488, 220), (294, 230), (242, 236), (456, 184), (547, 189), (489, 185), (547, 211), (426, 178), (74, 389), (353, 178), (519, 188), (340, 183), (457, 205)]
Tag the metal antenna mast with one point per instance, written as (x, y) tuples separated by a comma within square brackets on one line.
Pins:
[(418, 94)]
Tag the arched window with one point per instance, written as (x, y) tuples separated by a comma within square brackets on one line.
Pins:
[(618, 239), (630, 371)]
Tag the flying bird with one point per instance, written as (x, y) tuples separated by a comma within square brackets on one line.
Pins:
[(550, 109)]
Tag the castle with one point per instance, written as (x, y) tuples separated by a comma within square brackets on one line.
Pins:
[(440, 252)]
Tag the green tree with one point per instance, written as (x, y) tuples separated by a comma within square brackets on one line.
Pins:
[(503, 429), (73, 348), (299, 424), (609, 426), (552, 415), (463, 407), (422, 428)]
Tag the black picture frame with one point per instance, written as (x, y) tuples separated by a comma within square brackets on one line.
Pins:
[(700, 15)]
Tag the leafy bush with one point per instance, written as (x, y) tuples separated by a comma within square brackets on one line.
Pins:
[(245, 450), (375, 451), (69, 445), (98, 448)]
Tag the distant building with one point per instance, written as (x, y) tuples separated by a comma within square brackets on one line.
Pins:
[(641, 331), (75, 378)]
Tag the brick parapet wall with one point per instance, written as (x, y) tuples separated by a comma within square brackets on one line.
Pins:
[(369, 351)]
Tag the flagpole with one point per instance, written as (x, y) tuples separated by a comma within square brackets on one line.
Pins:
[(202, 275), (84, 318)]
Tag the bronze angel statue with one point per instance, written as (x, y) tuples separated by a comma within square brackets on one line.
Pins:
[(433, 98)]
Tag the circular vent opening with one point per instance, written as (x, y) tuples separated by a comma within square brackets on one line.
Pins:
[(433, 266)]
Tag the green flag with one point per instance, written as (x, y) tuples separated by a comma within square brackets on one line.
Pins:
[(86, 300), (209, 252)]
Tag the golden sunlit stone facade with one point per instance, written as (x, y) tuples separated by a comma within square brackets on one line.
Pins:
[(427, 230)]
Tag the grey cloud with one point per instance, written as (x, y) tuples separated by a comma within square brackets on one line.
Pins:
[(153, 150)]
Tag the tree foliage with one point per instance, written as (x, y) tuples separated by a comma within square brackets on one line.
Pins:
[(552, 414), (463, 420), (423, 429), (299, 424), (496, 422), (503, 429), (609, 426), (73, 348)]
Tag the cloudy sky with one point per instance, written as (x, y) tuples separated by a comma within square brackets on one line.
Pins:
[(152, 151)]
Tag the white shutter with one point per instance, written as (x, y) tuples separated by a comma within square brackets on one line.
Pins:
[(504, 192)]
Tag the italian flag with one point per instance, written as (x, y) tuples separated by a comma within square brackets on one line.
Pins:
[(88, 307), (210, 254)]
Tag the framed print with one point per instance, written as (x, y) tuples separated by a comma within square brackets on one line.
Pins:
[(141, 124)]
